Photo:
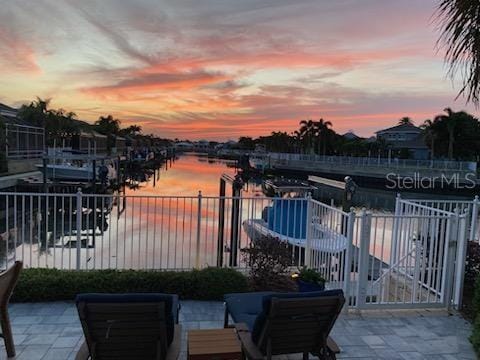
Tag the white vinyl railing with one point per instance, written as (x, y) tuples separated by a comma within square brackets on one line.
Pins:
[(392, 163), (470, 206), (412, 258)]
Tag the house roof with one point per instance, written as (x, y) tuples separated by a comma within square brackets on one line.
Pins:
[(401, 128), (13, 120), (351, 135), (4, 107)]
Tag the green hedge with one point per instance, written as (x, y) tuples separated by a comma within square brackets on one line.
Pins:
[(52, 285), (475, 338)]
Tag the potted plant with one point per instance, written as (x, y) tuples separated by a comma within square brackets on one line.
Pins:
[(309, 280)]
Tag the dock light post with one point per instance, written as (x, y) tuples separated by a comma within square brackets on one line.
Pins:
[(348, 192), (350, 189)]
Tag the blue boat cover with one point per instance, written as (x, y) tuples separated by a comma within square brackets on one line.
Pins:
[(288, 217)]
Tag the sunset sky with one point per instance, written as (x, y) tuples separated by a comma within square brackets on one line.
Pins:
[(219, 69)]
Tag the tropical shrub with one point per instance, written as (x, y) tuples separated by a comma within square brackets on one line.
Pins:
[(269, 260)]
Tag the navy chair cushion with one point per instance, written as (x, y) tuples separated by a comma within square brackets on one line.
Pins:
[(245, 307), (170, 300), (267, 301)]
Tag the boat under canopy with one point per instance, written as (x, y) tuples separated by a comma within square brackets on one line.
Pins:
[(286, 219)]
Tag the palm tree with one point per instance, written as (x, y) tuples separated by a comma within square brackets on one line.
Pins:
[(131, 130), (450, 120), (322, 130), (459, 24), (405, 121), (307, 133), (431, 135), (107, 125), (37, 112), (297, 138)]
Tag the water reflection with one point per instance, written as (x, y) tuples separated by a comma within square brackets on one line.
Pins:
[(161, 224), (186, 176)]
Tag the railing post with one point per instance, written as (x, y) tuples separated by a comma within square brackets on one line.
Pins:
[(199, 226), (448, 272), (347, 267), (460, 261), (308, 230), (474, 219), (363, 259), (79, 227), (221, 223), (396, 221)]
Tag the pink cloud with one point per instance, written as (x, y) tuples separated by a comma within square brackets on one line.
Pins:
[(16, 54)]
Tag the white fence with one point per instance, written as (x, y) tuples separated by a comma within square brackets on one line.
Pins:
[(401, 260), (470, 206), (412, 258), (462, 166)]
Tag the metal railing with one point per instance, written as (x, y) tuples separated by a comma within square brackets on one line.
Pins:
[(24, 142), (391, 163), (470, 206), (407, 259), (91, 231)]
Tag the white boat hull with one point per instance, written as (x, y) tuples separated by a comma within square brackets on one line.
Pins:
[(68, 172), (327, 242)]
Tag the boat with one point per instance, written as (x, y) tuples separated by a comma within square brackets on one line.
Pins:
[(68, 171), (280, 186), (286, 220), (259, 158)]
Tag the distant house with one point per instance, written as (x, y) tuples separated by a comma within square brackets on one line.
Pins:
[(7, 111), (351, 136), (202, 145), (184, 146), (89, 142), (406, 137), (120, 145), (21, 140)]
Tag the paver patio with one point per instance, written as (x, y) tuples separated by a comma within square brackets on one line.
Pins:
[(49, 331)]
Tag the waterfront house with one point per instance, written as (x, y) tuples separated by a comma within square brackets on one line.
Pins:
[(350, 135), (120, 145), (7, 111), (405, 139), (21, 144), (184, 146), (90, 142)]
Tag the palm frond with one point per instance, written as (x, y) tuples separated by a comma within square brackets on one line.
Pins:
[(459, 24)]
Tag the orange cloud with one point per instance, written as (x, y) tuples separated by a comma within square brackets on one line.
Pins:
[(144, 83)]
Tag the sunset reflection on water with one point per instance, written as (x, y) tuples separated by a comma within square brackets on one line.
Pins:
[(188, 175)]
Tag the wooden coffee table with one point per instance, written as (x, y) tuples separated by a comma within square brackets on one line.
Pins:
[(217, 344)]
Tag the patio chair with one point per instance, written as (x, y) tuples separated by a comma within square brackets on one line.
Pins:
[(129, 326), (285, 323), (8, 280)]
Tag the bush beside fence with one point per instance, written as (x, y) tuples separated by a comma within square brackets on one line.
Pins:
[(36, 285), (475, 338)]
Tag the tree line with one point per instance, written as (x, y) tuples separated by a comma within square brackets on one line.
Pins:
[(60, 124), (449, 135)]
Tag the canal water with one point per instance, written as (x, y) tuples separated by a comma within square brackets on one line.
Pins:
[(190, 173), (162, 223)]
